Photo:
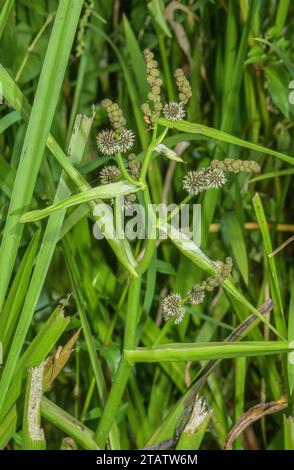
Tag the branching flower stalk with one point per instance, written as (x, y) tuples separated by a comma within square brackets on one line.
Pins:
[(212, 177)]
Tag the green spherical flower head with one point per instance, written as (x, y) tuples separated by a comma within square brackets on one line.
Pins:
[(126, 140), (109, 174), (194, 182), (172, 308), (106, 142), (215, 178), (173, 111)]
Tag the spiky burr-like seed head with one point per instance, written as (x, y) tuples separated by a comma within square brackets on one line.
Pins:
[(173, 111), (109, 174), (126, 140), (214, 178), (194, 182), (172, 308), (106, 142)]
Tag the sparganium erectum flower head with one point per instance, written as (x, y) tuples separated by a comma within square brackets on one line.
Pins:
[(173, 111), (107, 143), (215, 178), (153, 107), (126, 140), (194, 182), (172, 308), (109, 174)]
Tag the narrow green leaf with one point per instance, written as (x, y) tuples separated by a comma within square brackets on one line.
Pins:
[(272, 174), (235, 236), (17, 292), (15, 97), (36, 352), (4, 15), (291, 339), (107, 191), (198, 257), (156, 8), (9, 120), (274, 279), (137, 58), (68, 424), (199, 129), (7, 176), (204, 351), (39, 125)]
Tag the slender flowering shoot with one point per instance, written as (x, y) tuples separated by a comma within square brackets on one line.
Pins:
[(173, 306), (153, 108)]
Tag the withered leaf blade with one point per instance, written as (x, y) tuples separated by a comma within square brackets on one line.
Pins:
[(56, 362), (253, 414)]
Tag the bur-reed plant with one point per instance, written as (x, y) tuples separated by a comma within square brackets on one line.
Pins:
[(114, 282)]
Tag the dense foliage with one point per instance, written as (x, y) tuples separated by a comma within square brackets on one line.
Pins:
[(161, 102)]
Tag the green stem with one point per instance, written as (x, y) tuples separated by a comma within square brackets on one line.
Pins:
[(33, 45), (179, 207), (163, 331), (113, 402), (281, 17), (124, 172), (4, 15), (124, 369), (151, 242), (148, 154), (161, 137), (89, 339), (166, 67), (71, 426), (132, 312)]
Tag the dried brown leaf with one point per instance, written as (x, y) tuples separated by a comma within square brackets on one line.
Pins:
[(55, 363), (253, 414), (178, 28)]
